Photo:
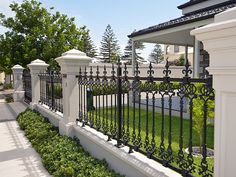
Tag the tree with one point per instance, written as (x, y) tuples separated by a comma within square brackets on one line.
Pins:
[(156, 55), (36, 32), (87, 44), (180, 61), (128, 51), (109, 46)]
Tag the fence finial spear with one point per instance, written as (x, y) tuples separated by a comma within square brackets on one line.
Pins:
[(150, 71), (167, 71), (186, 71)]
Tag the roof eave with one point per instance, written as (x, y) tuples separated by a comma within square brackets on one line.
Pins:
[(217, 8), (190, 3), (171, 26)]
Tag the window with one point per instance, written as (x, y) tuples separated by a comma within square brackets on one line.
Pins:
[(176, 48)]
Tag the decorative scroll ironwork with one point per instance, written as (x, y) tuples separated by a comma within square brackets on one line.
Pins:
[(141, 112), (27, 85), (51, 90)]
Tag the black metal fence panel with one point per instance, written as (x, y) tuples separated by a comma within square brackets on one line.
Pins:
[(51, 90), (27, 85), (164, 118)]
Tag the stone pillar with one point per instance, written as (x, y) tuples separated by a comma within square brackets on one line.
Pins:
[(219, 39), (70, 63), (36, 67), (18, 94)]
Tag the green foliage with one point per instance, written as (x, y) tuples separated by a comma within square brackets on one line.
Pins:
[(36, 32), (88, 46), (198, 103), (156, 55), (9, 98), (7, 86), (128, 51), (180, 61), (198, 114), (61, 156), (109, 46), (57, 91)]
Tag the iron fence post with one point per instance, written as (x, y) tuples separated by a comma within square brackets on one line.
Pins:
[(52, 89), (119, 106)]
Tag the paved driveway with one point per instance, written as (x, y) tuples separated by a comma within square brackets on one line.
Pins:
[(17, 157)]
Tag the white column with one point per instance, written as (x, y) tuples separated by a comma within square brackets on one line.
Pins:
[(219, 40), (18, 94), (196, 59), (133, 56), (186, 54), (36, 67), (70, 63)]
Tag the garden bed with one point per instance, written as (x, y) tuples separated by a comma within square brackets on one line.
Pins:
[(61, 156)]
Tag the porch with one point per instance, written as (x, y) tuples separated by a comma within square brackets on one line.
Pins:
[(177, 32)]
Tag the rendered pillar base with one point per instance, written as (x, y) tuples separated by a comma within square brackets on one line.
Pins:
[(66, 128), (32, 105), (219, 39), (18, 96)]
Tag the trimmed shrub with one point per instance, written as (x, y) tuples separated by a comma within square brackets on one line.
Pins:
[(7, 86), (61, 156), (9, 98)]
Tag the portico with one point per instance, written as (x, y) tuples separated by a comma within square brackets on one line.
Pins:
[(177, 31)]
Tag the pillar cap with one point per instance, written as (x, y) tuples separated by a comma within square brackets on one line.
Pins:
[(72, 60), (74, 52), (38, 62), (17, 67), (73, 55)]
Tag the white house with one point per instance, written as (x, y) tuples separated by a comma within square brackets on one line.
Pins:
[(196, 13)]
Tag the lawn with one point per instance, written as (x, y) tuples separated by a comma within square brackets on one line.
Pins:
[(105, 118)]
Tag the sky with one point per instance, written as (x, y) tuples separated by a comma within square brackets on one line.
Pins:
[(124, 16)]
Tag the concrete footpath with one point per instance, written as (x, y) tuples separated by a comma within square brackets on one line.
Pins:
[(17, 157)]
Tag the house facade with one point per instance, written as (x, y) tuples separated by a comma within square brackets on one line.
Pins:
[(196, 13), (2, 77), (175, 52)]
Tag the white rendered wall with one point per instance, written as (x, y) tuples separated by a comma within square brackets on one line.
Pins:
[(130, 165), (219, 40)]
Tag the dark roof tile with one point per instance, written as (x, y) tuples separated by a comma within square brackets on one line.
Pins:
[(190, 3), (189, 18)]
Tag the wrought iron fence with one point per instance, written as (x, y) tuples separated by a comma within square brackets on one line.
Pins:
[(51, 90), (138, 112), (27, 85)]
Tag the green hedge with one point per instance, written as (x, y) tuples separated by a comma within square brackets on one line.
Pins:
[(9, 98), (7, 86), (61, 156)]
